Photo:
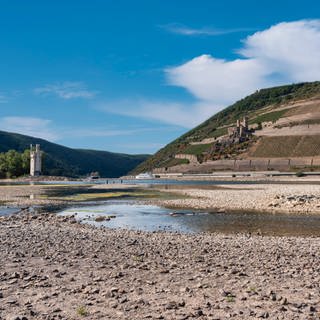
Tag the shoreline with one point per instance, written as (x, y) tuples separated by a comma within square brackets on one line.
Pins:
[(53, 267), (270, 198), (264, 198)]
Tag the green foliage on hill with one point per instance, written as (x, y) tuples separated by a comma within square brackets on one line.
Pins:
[(196, 149), (245, 107), (270, 116), (252, 103), (62, 161), (175, 162)]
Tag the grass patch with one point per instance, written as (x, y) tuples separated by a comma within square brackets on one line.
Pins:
[(82, 311), (137, 258), (104, 218), (267, 117), (107, 195), (253, 289), (230, 298), (196, 149), (218, 133), (93, 195), (175, 162)]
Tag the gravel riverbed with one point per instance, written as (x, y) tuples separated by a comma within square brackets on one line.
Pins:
[(284, 198), (51, 267)]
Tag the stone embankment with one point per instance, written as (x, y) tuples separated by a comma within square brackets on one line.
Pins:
[(54, 268), (285, 198)]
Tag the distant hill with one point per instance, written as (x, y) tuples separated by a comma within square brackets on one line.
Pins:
[(64, 161), (274, 111)]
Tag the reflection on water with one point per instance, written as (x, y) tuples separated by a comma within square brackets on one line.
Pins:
[(150, 218), (159, 182), (257, 223)]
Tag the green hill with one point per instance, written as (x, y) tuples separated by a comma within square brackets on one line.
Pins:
[(257, 106), (60, 160)]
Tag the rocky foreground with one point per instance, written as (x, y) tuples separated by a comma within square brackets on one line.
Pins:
[(54, 268)]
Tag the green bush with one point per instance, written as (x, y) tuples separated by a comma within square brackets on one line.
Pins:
[(81, 311), (300, 174)]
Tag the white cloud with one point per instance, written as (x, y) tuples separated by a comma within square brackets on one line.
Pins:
[(173, 113), (43, 128), (285, 53), (216, 80), (67, 90), (35, 127), (181, 29), (101, 132), (289, 48)]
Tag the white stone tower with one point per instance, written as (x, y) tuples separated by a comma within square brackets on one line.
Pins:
[(35, 160)]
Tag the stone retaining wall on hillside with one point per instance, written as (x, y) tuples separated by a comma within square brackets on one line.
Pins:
[(298, 130), (192, 158), (259, 164)]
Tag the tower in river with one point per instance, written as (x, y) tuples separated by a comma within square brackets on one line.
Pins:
[(35, 160)]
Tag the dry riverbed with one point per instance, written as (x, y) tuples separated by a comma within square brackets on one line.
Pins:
[(54, 268), (284, 198)]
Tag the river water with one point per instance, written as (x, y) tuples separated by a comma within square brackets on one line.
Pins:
[(130, 214), (154, 218)]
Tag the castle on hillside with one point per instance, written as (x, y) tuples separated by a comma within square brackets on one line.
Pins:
[(35, 160), (240, 131)]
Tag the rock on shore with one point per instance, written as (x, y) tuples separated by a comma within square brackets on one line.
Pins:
[(54, 268)]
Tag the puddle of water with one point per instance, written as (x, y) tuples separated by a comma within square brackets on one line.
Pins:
[(151, 218), (6, 211), (128, 215)]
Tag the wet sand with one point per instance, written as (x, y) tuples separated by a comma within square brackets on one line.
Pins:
[(54, 268)]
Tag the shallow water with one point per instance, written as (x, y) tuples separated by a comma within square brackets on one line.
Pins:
[(152, 218), (6, 211), (158, 182)]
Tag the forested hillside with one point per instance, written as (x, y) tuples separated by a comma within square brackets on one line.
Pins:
[(254, 106), (60, 160)]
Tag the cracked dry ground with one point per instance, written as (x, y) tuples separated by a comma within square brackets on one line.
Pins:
[(54, 268)]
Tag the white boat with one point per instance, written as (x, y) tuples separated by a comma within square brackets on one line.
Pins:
[(145, 176)]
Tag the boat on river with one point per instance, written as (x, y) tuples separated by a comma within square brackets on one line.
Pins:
[(145, 176)]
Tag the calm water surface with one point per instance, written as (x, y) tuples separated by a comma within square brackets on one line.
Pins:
[(151, 218), (6, 211), (157, 182), (129, 214)]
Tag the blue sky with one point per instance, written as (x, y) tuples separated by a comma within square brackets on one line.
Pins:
[(130, 76)]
